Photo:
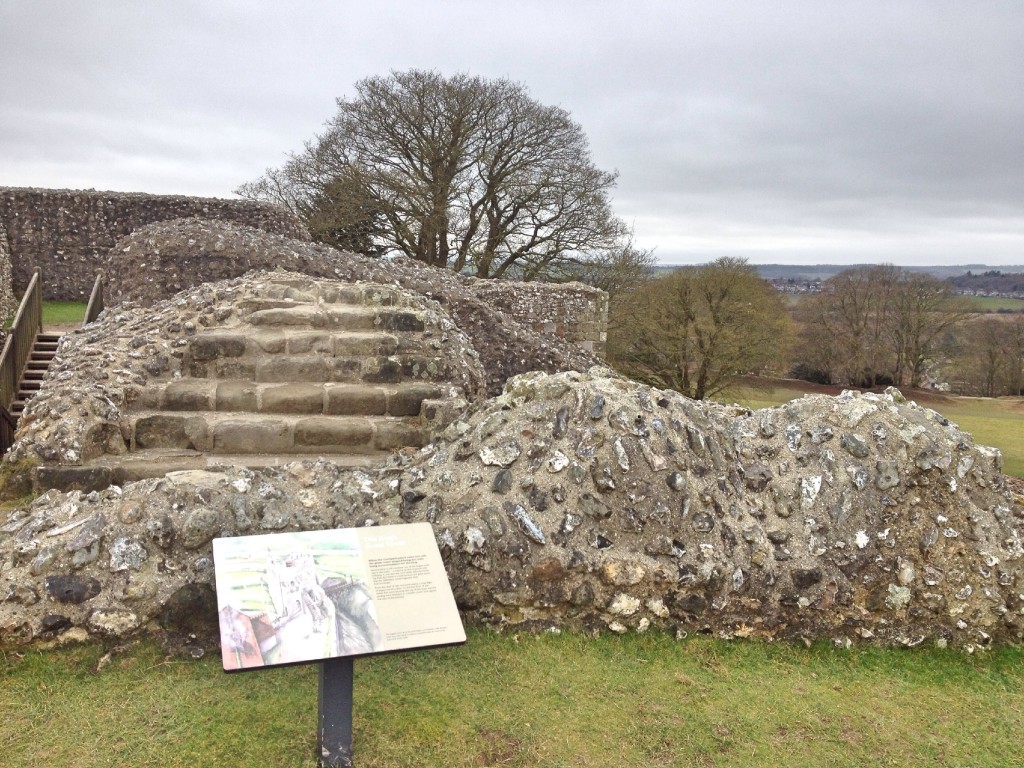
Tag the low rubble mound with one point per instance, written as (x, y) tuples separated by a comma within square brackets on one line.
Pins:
[(273, 363), (590, 502), (158, 260)]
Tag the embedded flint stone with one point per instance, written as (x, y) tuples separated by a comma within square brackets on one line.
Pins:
[(526, 523), (69, 588)]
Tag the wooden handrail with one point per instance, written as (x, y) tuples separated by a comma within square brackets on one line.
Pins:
[(28, 321), (95, 300), (8, 418)]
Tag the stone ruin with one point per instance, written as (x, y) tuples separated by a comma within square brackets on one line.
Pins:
[(586, 501), (68, 232), (514, 327), (562, 495), (7, 303)]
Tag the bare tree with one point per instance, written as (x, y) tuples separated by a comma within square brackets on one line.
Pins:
[(990, 358), (879, 324), (922, 311), (695, 329), (844, 326), (458, 172)]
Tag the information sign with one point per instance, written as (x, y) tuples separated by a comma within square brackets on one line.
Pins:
[(327, 597)]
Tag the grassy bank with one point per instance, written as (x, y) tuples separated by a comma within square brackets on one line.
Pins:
[(529, 701)]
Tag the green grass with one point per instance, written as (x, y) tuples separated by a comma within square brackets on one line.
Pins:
[(529, 701), (59, 313), (993, 421), (993, 304), (63, 312)]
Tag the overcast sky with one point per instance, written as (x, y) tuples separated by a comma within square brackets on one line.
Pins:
[(824, 131)]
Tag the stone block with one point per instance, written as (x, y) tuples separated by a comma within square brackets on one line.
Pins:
[(189, 395), (271, 342), (347, 319), (149, 397), (407, 399), (328, 432), (287, 317), (390, 435), (211, 346), (252, 435), (162, 430), (355, 400), (341, 293), (281, 369), (385, 371), (292, 398), (304, 343), (238, 368), (345, 368), (236, 396), (364, 344), (67, 479)]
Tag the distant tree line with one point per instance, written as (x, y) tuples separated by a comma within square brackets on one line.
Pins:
[(696, 329), (993, 282)]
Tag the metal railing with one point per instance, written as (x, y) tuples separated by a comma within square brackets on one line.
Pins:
[(28, 321), (95, 300)]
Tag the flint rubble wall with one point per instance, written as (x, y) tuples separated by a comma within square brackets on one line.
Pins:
[(571, 311), (515, 327), (7, 303), (68, 233)]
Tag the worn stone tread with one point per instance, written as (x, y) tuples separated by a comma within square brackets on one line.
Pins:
[(284, 433), (331, 398)]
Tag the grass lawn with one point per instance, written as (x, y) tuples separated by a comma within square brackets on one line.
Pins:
[(63, 312), (638, 700), (992, 421), (59, 313)]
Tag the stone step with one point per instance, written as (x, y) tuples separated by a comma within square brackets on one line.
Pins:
[(224, 345), (284, 295), (337, 317), (332, 399), (282, 368), (283, 434), (118, 470)]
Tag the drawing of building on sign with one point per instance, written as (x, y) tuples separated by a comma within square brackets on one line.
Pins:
[(287, 598)]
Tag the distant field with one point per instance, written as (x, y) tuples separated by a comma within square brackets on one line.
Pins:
[(994, 304), (993, 421), (974, 303)]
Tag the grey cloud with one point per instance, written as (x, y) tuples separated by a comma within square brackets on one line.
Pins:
[(790, 129)]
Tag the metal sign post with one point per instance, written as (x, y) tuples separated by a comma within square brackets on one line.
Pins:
[(334, 716)]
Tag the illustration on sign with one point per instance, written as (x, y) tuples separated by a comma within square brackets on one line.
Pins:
[(312, 595)]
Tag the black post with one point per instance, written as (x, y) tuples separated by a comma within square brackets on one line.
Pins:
[(334, 716)]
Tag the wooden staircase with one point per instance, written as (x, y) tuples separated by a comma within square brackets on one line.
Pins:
[(44, 347)]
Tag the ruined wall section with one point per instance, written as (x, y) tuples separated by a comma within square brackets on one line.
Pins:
[(7, 302), (68, 233), (572, 311)]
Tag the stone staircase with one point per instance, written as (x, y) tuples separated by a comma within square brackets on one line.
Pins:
[(341, 375)]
